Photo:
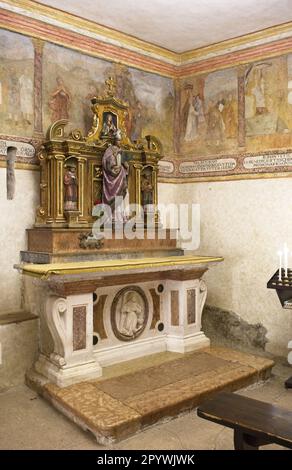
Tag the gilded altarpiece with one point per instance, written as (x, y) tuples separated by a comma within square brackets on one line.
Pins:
[(61, 153)]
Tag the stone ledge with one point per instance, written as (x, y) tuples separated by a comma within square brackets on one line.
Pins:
[(16, 317)]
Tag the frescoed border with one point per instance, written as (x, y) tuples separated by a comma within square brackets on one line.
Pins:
[(43, 23)]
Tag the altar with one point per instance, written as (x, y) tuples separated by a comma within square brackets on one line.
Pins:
[(99, 313), (110, 282)]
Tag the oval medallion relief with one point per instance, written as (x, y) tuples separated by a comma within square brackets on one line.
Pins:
[(129, 313)]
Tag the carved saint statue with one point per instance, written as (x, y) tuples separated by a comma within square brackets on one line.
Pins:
[(114, 175), (70, 189), (146, 189)]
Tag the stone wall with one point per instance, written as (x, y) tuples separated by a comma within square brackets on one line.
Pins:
[(16, 216), (246, 222)]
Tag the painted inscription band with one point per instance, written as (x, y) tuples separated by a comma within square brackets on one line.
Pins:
[(272, 163), (268, 161), (24, 150), (166, 167), (208, 166)]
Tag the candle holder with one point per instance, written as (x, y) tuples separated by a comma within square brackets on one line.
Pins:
[(282, 283)]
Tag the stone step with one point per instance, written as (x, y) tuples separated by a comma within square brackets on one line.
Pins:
[(117, 407)]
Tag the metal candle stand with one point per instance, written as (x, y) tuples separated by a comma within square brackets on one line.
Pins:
[(283, 286)]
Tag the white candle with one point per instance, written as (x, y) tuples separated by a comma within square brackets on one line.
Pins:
[(286, 259), (280, 265)]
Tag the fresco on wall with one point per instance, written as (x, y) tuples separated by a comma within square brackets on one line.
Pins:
[(208, 123), (209, 113), (16, 84), (151, 100), (268, 117), (71, 79)]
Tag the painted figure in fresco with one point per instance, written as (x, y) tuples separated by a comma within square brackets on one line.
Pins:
[(192, 122), (126, 92), (199, 108), (215, 123), (259, 92), (87, 115), (131, 314), (109, 128), (255, 89), (128, 121), (265, 100), (70, 189), (229, 115), (193, 116), (125, 88), (114, 174), (185, 110), (13, 99), (137, 122), (60, 101), (26, 98), (146, 189)]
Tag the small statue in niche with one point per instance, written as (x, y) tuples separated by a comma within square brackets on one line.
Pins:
[(10, 172), (115, 174), (146, 189), (70, 188)]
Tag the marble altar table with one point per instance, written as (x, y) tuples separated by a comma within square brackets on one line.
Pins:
[(102, 312)]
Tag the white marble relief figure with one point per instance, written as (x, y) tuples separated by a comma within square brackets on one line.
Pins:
[(131, 314)]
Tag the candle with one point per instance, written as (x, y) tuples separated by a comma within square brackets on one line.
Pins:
[(286, 259), (280, 265)]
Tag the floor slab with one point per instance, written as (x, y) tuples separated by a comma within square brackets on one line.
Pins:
[(143, 393), (29, 422)]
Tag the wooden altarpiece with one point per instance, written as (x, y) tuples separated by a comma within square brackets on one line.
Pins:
[(60, 152)]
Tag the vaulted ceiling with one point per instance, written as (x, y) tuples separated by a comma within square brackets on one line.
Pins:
[(180, 25)]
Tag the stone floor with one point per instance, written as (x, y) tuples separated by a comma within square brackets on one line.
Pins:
[(29, 422), (128, 399)]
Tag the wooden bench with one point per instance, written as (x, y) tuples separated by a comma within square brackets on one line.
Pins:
[(255, 423)]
